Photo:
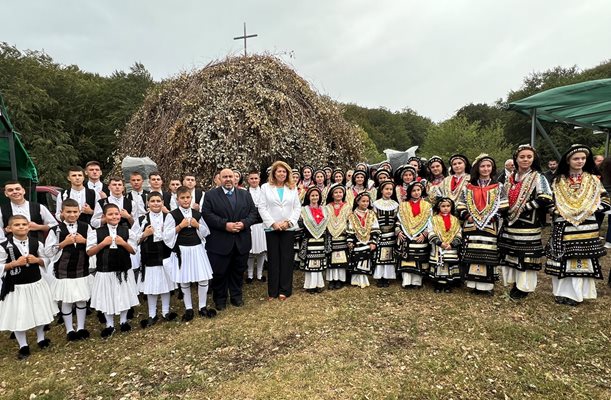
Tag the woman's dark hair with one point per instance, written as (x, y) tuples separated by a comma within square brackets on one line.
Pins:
[(355, 205), (536, 165), (442, 200), (393, 196), (338, 171), (306, 199), (563, 165), (460, 157), (475, 169), (360, 172), (605, 172), (411, 187), (444, 169), (332, 189)]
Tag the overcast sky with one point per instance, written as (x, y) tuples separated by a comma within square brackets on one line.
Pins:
[(431, 56)]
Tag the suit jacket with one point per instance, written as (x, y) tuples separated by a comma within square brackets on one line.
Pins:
[(217, 211)]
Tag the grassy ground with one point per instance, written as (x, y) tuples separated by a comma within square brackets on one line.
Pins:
[(353, 343)]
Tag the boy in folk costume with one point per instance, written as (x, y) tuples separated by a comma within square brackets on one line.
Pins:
[(113, 292), (258, 251), (25, 298), (155, 281), (184, 232), (314, 220), (362, 232), (445, 238), (66, 247), (412, 233), (85, 197), (386, 209), (338, 211)]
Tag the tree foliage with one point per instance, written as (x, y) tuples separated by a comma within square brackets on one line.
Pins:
[(458, 135), (389, 130), (65, 115)]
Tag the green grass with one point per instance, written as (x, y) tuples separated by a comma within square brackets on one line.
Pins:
[(354, 343)]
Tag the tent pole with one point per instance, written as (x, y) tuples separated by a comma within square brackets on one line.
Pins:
[(12, 157), (533, 128), (607, 145), (548, 139)]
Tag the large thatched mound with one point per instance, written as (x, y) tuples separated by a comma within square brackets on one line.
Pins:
[(244, 112)]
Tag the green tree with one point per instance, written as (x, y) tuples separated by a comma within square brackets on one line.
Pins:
[(457, 135)]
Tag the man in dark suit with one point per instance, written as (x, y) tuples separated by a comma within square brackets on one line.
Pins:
[(229, 212)]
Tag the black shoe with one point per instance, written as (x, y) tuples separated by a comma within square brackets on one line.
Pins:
[(83, 334), (331, 285), (107, 332), (130, 313), (207, 312), (437, 290), (72, 336), (44, 343), (188, 315), (249, 280), (311, 291), (236, 302), (171, 316), (220, 307), (23, 353), (126, 327), (263, 279), (101, 317), (145, 323), (379, 283), (447, 290), (570, 302), (559, 299), (386, 283), (319, 290)]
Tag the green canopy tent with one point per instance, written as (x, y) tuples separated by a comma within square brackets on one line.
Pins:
[(15, 162), (586, 105)]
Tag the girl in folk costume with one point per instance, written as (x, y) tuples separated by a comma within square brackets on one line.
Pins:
[(258, 251), (155, 280), (25, 298), (445, 237), (528, 192), (298, 231), (365, 168), (66, 248), (349, 174), (113, 292), (319, 182), (362, 232), (359, 185), (305, 182), (437, 172), (313, 253), (381, 176), (386, 209), (339, 177), (453, 185), (328, 175), (412, 232), (417, 163), (574, 248), (481, 203), (338, 211), (405, 175)]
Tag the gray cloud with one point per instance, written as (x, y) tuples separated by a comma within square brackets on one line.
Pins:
[(433, 57)]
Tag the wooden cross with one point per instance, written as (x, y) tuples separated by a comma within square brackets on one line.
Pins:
[(245, 37)]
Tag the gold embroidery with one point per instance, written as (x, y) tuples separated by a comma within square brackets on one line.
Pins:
[(316, 229), (361, 232), (576, 204), (337, 224), (440, 229), (414, 225)]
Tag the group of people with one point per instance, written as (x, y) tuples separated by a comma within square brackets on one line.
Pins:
[(448, 224)]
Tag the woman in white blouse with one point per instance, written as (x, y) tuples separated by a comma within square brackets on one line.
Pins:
[(280, 209)]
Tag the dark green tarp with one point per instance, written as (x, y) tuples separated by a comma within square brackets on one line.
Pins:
[(586, 104), (26, 171)]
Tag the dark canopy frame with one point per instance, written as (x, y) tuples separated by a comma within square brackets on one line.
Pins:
[(585, 105)]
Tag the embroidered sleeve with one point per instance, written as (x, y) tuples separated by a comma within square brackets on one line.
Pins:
[(374, 236)]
